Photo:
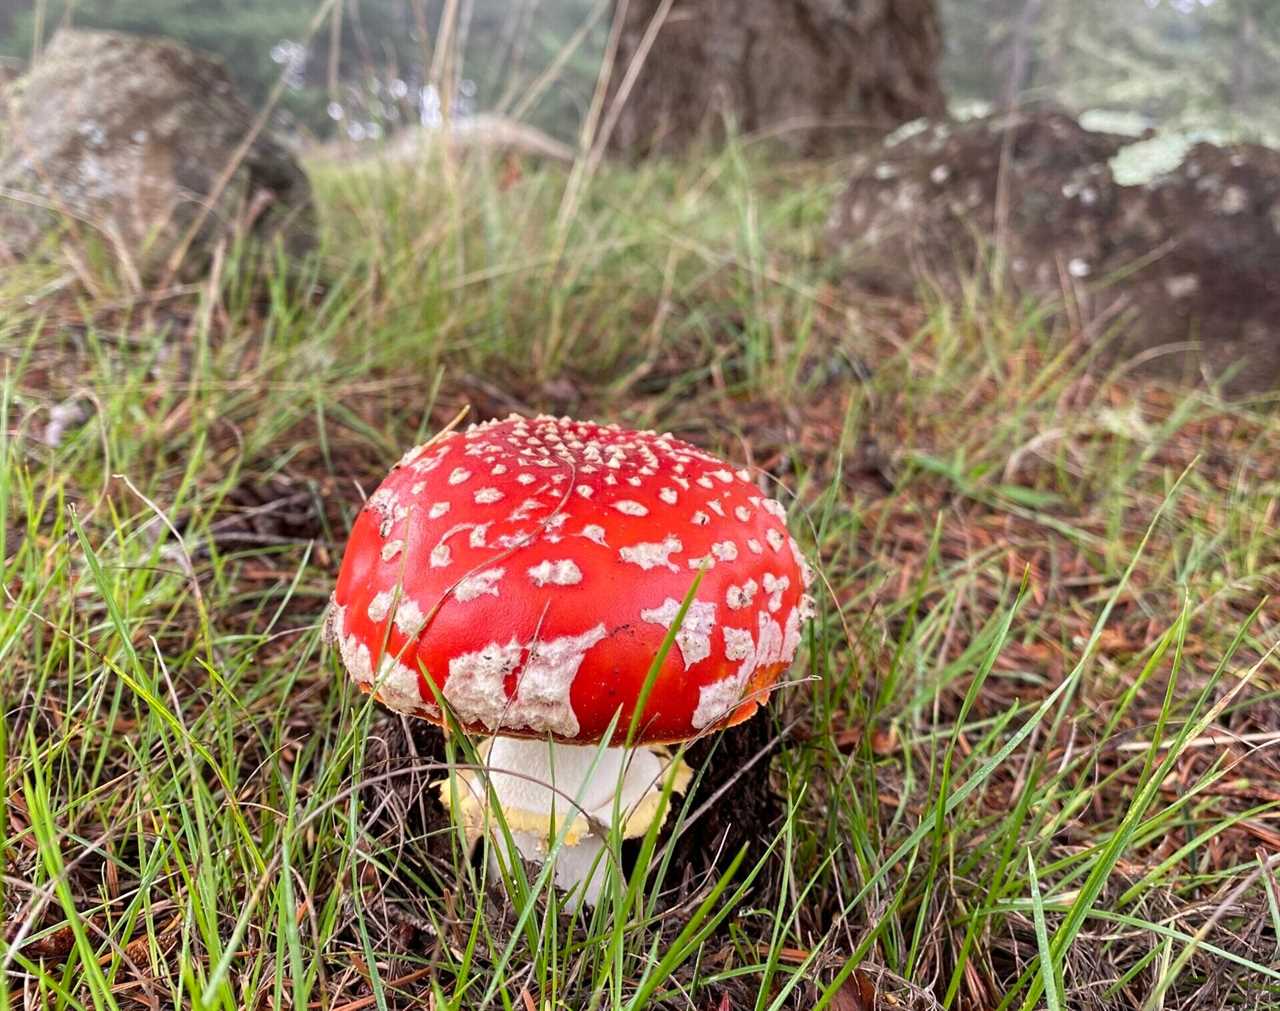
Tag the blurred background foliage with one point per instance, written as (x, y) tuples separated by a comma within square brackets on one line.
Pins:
[(1195, 65), (365, 68)]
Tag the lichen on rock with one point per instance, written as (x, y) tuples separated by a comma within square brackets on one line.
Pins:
[(1183, 266)]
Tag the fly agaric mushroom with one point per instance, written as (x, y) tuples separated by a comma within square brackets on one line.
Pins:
[(531, 569)]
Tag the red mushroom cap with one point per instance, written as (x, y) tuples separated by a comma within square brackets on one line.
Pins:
[(532, 568)]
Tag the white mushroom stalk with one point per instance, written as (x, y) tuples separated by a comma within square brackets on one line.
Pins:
[(547, 790)]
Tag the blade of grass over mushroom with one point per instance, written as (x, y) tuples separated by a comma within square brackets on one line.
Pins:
[(461, 752), (626, 910), (625, 899), (660, 657), (512, 870)]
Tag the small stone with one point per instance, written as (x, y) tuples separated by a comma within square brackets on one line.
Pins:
[(1234, 200), (1182, 285)]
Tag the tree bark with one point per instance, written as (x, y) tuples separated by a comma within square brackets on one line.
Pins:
[(819, 74)]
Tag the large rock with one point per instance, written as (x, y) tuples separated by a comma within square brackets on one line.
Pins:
[(1182, 268), (124, 138)]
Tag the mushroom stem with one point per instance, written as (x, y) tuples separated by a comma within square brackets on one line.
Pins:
[(539, 784)]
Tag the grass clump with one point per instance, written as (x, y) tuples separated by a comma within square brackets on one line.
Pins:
[(1034, 764)]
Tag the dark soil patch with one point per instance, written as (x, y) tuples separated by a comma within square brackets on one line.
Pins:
[(733, 807)]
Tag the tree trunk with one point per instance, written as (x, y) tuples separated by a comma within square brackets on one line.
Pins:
[(819, 74)]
